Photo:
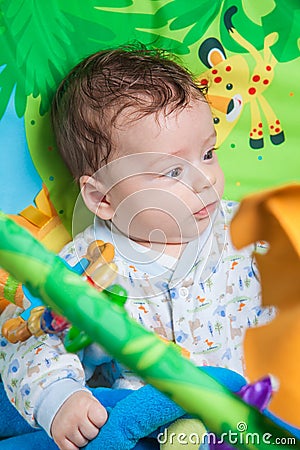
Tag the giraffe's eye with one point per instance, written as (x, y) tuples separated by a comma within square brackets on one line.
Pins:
[(216, 120), (229, 86)]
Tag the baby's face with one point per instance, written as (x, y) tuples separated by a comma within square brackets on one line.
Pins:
[(164, 181)]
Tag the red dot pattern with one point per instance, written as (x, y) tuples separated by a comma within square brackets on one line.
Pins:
[(252, 91), (277, 129), (255, 78), (228, 68), (255, 130), (218, 80)]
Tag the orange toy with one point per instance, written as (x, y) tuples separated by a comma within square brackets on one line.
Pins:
[(274, 216)]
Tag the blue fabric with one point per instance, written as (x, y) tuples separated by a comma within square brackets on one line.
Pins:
[(133, 415), (16, 433), (135, 418)]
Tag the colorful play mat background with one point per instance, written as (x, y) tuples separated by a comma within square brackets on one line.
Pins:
[(246, 52)]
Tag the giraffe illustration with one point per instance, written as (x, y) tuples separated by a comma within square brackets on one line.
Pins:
[(234, 331), (194, 325), (231, 84), (229, 287), (188, 283), (32, 369), (147, 287), (160, 330)]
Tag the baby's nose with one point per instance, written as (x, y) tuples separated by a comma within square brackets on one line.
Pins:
[(202, 180)]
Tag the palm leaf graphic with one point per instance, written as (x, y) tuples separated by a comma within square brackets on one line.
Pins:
[(169, 17), (33, 49), (197, 16), (40, 42)]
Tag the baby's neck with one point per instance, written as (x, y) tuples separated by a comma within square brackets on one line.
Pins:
[(174, 250)]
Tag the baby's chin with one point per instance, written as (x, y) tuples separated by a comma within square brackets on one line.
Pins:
[(173, 240), (162, 237)]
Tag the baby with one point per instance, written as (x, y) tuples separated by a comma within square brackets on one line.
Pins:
[(135, 130)]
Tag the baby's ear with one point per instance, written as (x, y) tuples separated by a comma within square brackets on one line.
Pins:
[(94, 195)]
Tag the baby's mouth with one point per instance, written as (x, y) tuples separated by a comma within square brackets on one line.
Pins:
[(206, 211)]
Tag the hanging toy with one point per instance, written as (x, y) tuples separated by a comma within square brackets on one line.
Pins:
[(97, 269)]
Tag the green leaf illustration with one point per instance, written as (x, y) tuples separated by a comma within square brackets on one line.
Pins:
[(33, 50), (285, 19), (41, 41), (252, 32)]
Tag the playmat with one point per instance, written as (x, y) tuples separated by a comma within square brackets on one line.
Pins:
[(247, 55)]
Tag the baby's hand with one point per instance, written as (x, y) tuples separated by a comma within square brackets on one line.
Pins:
[(78, 421)]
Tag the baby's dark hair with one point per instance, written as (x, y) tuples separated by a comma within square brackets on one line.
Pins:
[(90, 99)]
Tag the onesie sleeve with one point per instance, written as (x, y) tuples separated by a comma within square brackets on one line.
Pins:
[(38, 376)]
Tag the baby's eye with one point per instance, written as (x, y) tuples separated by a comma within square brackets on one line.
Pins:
[(209, 154), (174, 173)]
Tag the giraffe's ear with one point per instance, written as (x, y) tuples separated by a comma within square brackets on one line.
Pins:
[(211, 52)]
